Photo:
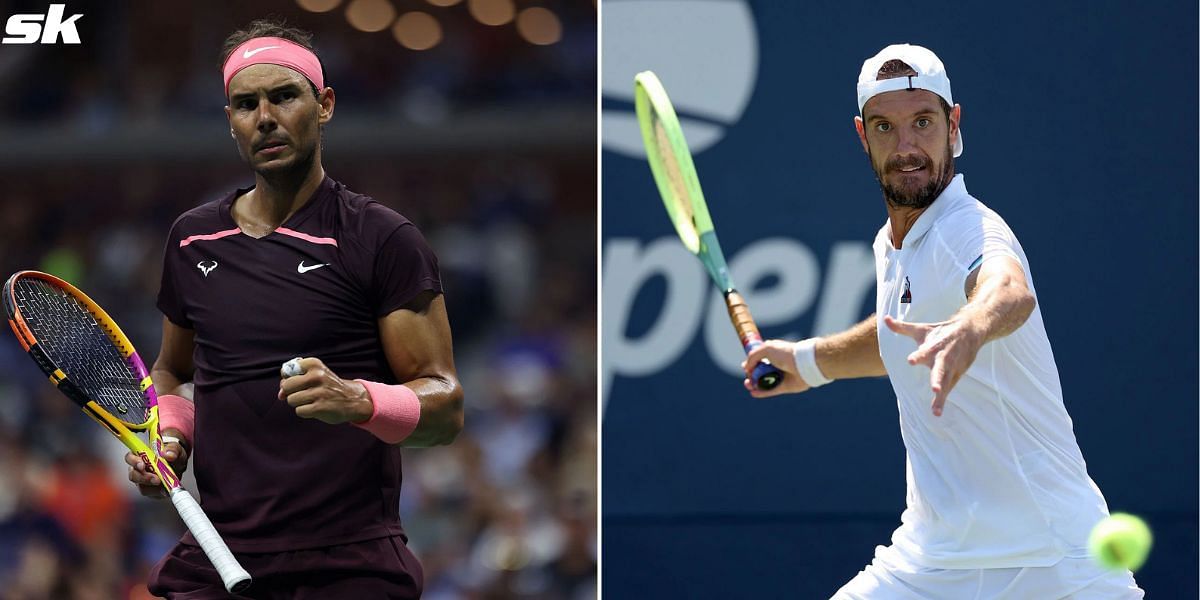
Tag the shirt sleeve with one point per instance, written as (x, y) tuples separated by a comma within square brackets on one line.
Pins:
[(170, 302), (971, 238), (405, 266)]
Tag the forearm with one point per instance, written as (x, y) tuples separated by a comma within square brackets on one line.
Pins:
[(173, 369), (168, 382), (176, 418), (441, 412), (417, 343), (852, 353), (999, 306)]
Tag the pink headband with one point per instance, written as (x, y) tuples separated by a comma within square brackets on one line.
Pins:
[(274, 51)]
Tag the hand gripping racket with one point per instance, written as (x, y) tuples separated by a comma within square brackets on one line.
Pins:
[(671, 162), (91, 361)]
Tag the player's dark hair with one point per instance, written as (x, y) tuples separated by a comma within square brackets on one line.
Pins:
[(897, 68), (271, 27)]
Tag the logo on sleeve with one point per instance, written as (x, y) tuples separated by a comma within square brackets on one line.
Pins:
[(303, 268), (906, 297), (206, 266)]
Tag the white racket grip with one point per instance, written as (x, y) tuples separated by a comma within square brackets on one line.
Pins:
[(232, 574)]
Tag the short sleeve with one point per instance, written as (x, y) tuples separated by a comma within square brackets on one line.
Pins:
[(170, 302), (971, 237), (405, 266)]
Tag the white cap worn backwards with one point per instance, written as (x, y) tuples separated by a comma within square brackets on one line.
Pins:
[(931, 75)]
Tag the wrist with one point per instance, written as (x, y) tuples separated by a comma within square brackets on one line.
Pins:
[(170, 434), (975, 330), (177, 414), (805, 354), (363, 409), (396, 410)]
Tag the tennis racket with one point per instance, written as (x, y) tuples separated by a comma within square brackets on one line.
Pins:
[(671, 162), (91, 361)]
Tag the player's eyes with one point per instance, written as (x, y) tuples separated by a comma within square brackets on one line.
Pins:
[(923, 123), (246, 104), (883, 126)]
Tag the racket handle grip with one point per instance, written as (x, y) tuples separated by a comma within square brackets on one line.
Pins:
[(234, 577), (764, 375)]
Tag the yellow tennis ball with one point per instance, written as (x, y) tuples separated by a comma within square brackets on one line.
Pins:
[(1121, 541)]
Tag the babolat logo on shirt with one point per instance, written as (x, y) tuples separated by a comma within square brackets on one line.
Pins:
[(42, 29), (906, 297)]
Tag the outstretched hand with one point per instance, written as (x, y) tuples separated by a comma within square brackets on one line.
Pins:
[(779, 353), (947, 348)]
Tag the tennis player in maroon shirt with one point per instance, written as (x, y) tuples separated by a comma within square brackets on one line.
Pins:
[(300, 475)]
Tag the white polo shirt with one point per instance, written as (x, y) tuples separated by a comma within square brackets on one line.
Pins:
[(998, 480)]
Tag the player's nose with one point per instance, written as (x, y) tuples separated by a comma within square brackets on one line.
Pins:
[(266, 117), (906, 142)]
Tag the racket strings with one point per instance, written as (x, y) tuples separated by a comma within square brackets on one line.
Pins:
[(79, 344), (683, 215), (674, 172)]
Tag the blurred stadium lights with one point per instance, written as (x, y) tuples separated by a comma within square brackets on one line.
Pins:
[(318, 6), (392, 104), (539, 26), (417, 30), (370, 15), (492, 12)]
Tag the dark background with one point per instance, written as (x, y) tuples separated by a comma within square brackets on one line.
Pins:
[(486, 141), (1080, 126)]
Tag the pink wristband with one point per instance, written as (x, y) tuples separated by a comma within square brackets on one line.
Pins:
[(177, 412), (396, 413)]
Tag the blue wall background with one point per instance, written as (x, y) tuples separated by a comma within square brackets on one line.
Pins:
[(1080, 124)]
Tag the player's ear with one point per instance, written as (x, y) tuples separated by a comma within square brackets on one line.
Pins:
[(229, 117), (955, 119), (862, 133), (326, 99)]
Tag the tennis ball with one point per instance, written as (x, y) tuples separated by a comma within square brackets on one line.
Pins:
[(1121, 541)]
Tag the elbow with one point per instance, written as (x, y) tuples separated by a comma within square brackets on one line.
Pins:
[(1028, 303), (455, 417)]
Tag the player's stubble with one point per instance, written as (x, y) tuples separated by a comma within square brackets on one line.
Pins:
[(913, 196)]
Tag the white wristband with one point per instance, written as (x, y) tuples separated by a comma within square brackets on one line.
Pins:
[(806, 363)]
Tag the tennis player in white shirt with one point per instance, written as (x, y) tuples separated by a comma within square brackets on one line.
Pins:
[(999, 500)]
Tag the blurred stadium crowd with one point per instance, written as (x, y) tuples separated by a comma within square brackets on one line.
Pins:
[(508, 510)]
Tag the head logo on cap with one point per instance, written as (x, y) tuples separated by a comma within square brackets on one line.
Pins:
[(931, 76)]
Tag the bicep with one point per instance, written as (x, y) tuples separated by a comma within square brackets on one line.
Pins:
[(1004, 269), (416, 339)]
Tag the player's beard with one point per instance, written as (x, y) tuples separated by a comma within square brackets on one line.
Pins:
[(922, 196)]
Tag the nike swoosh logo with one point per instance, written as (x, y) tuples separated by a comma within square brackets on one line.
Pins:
[(303, 268), (249, 53)]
